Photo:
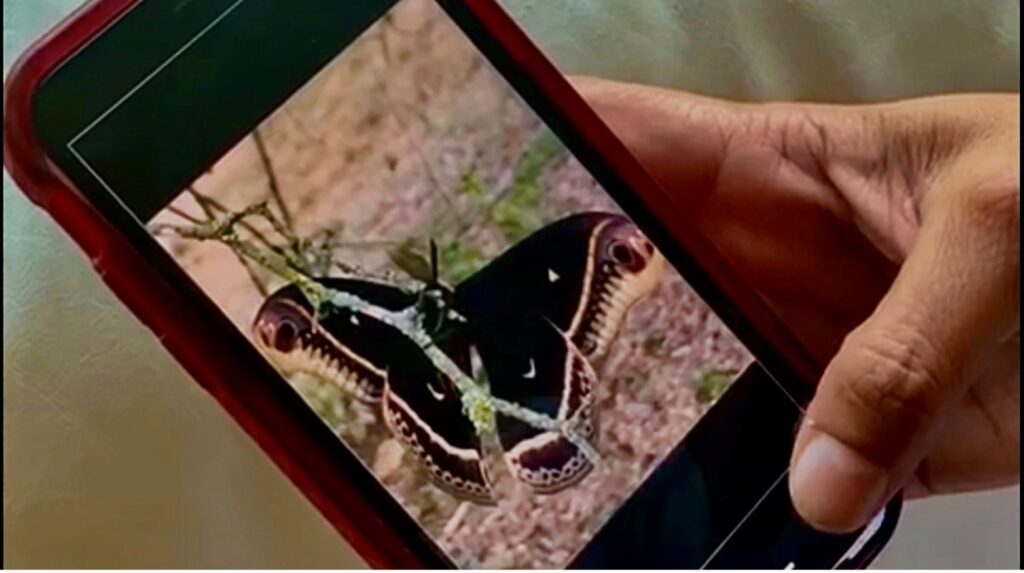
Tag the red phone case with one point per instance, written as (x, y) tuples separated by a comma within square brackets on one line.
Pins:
[(182, 330)]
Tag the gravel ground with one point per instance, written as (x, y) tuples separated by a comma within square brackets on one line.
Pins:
[(425, 150)]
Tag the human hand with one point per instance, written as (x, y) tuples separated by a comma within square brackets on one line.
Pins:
[(888, 238)]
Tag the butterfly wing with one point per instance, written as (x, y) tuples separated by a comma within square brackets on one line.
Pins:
[(423, 408), (340, 347), (376, 362), (582, 273), (531, 363), (540, 312)]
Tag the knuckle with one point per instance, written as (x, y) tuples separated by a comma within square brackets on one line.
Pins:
[(894, 375), (994, 206)]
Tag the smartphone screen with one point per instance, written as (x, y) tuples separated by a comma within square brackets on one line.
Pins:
[(472, 315), (410, 138)]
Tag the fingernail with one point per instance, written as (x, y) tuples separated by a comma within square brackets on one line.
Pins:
[(834, 488)]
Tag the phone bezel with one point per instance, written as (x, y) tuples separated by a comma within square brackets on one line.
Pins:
[(375, 524)]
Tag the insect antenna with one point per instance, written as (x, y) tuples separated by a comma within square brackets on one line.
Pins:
[(433, 262)]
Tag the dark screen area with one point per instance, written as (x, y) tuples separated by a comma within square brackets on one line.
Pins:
[(701, 497), (150, 145)]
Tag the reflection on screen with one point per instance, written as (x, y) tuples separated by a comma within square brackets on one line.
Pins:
[(458, 299)]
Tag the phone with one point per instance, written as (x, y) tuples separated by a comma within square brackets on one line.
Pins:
[(399, 249)]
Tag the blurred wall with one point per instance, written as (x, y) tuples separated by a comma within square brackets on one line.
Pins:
[(114, 458)]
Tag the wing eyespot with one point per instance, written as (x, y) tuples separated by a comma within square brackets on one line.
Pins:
[(622, 254)]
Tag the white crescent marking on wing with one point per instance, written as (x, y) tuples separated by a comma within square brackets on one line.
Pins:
[(439, 396), (532, 373)]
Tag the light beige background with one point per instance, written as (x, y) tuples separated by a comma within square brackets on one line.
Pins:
[(114, 458)]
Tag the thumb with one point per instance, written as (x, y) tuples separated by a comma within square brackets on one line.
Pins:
[(888, 389)]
